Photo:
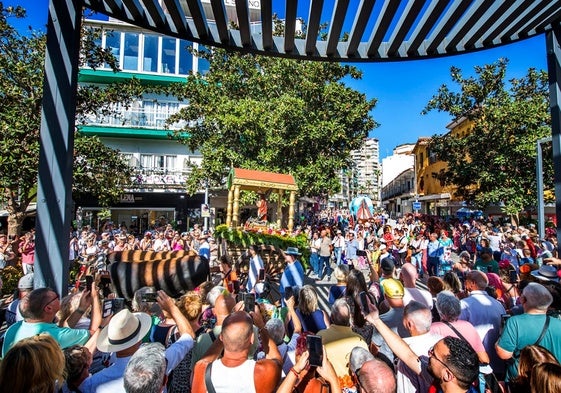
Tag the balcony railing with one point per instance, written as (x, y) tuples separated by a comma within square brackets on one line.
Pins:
[(159, 178), (139, 118)]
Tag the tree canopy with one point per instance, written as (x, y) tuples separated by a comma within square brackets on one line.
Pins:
[(496, 162), (273, 114), (98, 171)]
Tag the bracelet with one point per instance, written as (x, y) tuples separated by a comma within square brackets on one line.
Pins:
[(296, 373)]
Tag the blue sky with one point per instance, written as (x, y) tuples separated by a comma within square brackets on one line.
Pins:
[(401, 88)]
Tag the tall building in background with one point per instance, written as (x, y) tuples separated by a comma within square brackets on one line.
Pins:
[(365, 174)]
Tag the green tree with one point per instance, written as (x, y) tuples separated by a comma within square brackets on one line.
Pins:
[(98, 171), (496, 162), (273, 114)]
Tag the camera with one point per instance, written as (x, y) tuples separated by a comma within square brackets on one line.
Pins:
[(150, 297)]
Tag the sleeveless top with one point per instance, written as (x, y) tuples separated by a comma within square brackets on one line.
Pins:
[(313, 322), (233, 379)]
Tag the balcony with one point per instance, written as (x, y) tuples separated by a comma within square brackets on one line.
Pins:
[(139, 118), (159, 178)]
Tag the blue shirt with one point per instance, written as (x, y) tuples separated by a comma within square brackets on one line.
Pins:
[(350, 252), (293, 276)]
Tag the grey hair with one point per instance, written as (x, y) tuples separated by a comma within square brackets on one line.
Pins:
[(146, 369), (448, 306), (341, 313), (275, 328), (358, 357), (419, 315), (213, 294), (537, 296)]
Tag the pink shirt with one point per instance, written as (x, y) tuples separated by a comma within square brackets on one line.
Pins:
[(465, 328)]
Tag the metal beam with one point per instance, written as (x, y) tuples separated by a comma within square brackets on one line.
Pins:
[(334, 35), (177, 16), (485, 24), (313, 25), (267, 23), (156, 14), (553, 47), (381, 28), (470, 22), (447, 22), (199, 18), (290, 25), (506, 20), (359, 25), (242, 11), (409, 15), (432, 14), (58, 115)]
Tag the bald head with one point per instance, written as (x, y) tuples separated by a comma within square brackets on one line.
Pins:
[(237, 332), (408, 275), (377, 377), (479, 278), (223, 306)]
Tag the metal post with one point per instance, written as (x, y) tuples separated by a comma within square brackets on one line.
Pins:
[(539, 178), (553, 39), (205, 227), (54, 193)]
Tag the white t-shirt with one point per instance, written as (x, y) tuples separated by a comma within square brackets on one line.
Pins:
[(233, 379)]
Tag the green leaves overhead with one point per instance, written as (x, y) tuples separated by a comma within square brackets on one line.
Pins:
[(98, 171), (496, 162), (274, 114)]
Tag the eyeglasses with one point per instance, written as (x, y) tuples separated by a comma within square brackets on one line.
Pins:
[(433, 356), (50, 301)]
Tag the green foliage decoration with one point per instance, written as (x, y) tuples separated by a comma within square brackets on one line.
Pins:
[(246, 238)]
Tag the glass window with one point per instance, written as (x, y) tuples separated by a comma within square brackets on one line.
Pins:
[(185, 57), (146, 161), (204, 65), (168, 55), (130, 61), (150, 53), (113, 43)]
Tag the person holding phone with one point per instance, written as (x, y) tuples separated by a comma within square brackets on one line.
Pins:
[(338, 338), (234, 372)]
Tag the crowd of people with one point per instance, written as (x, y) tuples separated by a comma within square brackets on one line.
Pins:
[(488, 319)]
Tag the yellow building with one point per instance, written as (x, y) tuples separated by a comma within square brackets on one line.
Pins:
[(436, 198)]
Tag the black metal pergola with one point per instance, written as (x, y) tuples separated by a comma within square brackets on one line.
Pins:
[(383, 30)]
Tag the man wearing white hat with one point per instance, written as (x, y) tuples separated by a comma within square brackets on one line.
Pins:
[(123, 336), (293, 274)]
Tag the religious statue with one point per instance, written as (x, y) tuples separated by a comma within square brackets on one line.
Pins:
[(262, 208)]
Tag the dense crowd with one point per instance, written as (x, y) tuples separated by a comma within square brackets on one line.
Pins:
[(488, 319)]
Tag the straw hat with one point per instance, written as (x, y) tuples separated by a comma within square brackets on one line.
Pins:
[(124, 330)]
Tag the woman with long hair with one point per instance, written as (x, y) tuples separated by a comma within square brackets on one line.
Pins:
[(312, 318), (529, 357), (355, 285)]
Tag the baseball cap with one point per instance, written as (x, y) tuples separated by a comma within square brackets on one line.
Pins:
[(387, 264), (26, 282)]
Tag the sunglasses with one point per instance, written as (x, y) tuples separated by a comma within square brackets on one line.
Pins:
[(50, 301), (433, 356)]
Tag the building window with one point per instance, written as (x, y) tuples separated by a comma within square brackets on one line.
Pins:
[(130, 61), (150, 60), (168, 55), (185, 57), (203, 64), (113, 43)]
